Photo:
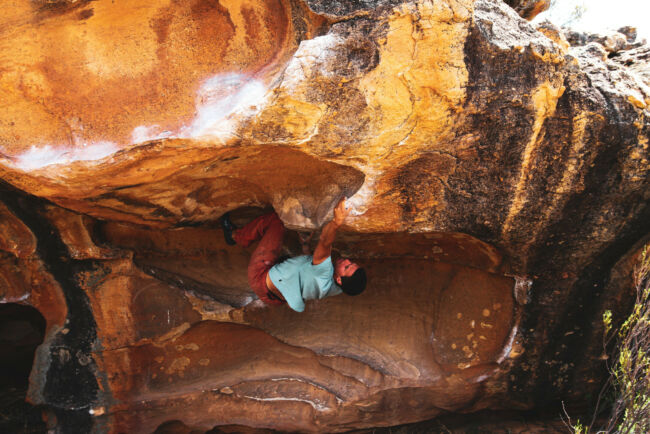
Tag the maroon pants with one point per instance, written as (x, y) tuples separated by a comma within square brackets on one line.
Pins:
[(270, 231)]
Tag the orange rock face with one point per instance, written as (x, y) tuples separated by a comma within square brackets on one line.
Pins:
[(337, 363), (529, 9), (23, 277), (15, 238), (93, 77), (498, 180)]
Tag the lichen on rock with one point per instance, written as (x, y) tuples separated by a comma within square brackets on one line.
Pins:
[(498, 174)]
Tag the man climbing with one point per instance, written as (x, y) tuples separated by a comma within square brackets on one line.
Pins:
[(300, 278)]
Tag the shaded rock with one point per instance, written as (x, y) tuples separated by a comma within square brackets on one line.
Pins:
[(498, 179), (613, 42), (15, 237), (636, 59), (529, 9), (629, 32), (342, 8), (554, 33)]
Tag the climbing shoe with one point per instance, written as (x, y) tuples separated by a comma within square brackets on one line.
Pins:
[(228, 228)]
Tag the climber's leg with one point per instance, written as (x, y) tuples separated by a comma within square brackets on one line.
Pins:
[(270, 229)]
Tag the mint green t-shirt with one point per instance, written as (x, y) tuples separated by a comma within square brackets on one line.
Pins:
[(298, 280)]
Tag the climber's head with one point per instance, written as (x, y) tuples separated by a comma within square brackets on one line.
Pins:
[(349, 276)]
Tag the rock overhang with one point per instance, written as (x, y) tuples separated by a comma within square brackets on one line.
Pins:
[(445, 119), (331, 119), (148, 185), (103, 75), (453, 319)]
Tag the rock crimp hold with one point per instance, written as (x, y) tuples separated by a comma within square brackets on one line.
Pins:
[(498, 175)]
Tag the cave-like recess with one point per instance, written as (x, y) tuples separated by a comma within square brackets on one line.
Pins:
[(22, 329)]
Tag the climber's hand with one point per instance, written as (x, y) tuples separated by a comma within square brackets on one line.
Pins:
[(340, 212), (327, 235)]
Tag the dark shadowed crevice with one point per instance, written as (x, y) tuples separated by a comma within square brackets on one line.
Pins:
[(22, 329), (570, 340), (70, 384)]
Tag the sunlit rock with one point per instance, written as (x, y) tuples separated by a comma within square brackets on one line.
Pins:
[(498, 176), (529, 9)]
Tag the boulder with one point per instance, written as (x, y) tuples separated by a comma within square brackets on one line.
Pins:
[(529, 9), (498, 179)]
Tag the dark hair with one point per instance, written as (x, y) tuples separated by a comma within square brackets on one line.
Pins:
[(355, 284)]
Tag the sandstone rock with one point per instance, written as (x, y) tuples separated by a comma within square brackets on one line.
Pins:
[(629, 32), (529, 9), (636, 60), (613, 42), (499, 180), (75, 232), (554, 33), (134, 77), (15, 237)]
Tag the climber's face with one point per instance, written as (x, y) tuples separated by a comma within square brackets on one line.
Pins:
[(343, 268)]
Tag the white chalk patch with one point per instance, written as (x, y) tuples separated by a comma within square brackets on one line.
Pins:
[(97, 411), (257, 303), (15, 299), (309, 60), (507, 348), (222, 102), (359, 202), (144, 134), (317, 405), (38, 157)]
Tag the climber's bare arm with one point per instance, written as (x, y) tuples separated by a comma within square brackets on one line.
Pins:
[(324, 248)]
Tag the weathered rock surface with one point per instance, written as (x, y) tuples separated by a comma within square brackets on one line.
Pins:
[(529, 9), (499, 179), (623, 39)]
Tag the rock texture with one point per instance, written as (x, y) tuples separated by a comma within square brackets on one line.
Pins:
[(498, 175), (529, 9)]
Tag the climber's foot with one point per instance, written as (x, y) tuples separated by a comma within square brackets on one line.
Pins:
[(228, 228)]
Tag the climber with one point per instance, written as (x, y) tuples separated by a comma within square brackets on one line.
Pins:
[(300, 278)]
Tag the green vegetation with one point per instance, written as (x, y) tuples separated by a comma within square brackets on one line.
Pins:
[(629, 383)]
